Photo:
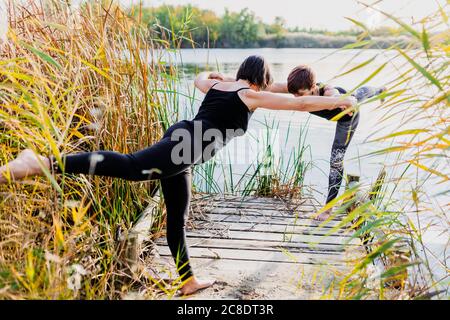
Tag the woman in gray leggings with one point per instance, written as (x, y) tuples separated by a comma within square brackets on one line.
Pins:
[(302, 82)]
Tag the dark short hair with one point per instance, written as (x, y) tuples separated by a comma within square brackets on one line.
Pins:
[(255, 70), (301, 78)]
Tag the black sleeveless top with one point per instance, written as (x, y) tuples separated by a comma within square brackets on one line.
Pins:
[(330, 114), (224, 110)]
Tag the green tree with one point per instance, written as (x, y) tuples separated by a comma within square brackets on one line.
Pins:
[(239, 29)]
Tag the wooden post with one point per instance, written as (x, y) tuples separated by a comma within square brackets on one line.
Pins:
[(352, 181), (400, 254), (131, 243)]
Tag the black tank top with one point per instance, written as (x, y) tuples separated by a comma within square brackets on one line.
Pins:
[(224, 110), (322, 89)]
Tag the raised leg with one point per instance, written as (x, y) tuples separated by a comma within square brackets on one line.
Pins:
[(154, 162), (367, 92)]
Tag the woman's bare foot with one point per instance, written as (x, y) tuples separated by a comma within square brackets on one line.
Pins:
[(26, 164), (324, 215), (193, 285)]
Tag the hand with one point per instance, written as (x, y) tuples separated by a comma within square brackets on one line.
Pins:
[(347, 103), (216, 76)]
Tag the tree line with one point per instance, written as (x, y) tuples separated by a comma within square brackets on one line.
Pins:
[(243, 29)]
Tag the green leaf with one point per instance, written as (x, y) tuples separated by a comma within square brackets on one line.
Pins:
[(425, 41), (359, 66), (402, 24), (422, 70), (396, 270), (402, 133), (379, 251), (368, 227), (388, 150), (45, 57), (357, 44), (358, 23), (372, 75)]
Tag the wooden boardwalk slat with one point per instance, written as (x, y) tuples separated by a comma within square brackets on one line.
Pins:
[(269, 226), (253, 240), (258, 255), (263, 245), (258, 219), (285, 237), (269, 213)]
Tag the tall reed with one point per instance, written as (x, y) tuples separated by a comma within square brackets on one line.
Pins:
[(76, 79), (409, 205)]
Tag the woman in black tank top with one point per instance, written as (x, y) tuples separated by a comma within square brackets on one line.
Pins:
[(223, 115)]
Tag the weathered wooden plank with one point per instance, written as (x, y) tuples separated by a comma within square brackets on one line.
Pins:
[(270, 228), (262, 245), (267, 213), (257, 206), (131, 242), (285, 237), (262, 200), (250, 199), (287, 221), (268, 199), (281, 210), (263, 242), (260, 255), (240, 225)]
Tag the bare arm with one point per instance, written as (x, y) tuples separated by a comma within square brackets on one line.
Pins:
[(330, 91), (205, 80), (221, 77), (278, 87), (273, 101)]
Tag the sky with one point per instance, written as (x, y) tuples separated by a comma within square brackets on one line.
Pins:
[(323, 14)]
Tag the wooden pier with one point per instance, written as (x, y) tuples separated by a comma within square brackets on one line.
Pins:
[(261, 248)]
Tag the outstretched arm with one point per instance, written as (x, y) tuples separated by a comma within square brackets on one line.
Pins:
[(278, 87), (205, 80), (273, 101), (330, 91)]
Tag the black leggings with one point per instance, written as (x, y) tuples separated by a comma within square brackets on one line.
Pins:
[(154, 162)]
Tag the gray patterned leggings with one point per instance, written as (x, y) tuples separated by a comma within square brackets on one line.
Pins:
[(345, 128), (343, 135)]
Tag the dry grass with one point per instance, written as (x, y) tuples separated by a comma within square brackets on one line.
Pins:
[(75, 81), (413, 198)]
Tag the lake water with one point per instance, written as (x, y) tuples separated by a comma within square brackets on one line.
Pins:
[(320, 133), (289, 126)]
